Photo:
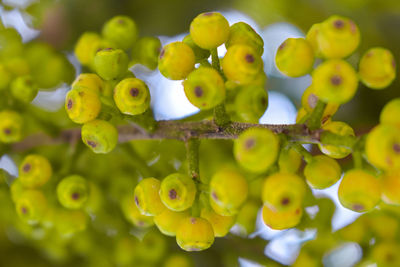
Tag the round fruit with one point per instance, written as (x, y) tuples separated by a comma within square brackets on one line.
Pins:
[(147, 198), (72, 192), (82, 104), (34, 171), (100, 136), (132, 96), (177, 191), (176, 61), (322, 172), (195, 234), (280, 220)]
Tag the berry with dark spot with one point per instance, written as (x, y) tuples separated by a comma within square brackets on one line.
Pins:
[(148, 198), (178, 191), (194, 234), (242, 33), (176, 61), (73, 192), (132, 96), (34, 171), (120, 30), (100, 136)]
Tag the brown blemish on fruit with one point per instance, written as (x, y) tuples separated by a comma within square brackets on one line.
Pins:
[(75, 196), (358, 207), (325, 119), (107, 49), (198, 91), (393, 63), (263, 101), (81, 93), (285, 201), (92, 143), (214, 195), (250, 143), (336, 80), (297, 211), (24, 210), (7, 131), (134, 92), (121, 21), (389, 257), (338, 24), (207, 14), (172, 194), (282, 46), (353, 27), (69, 104), (396, 148), (193, 220), (312, 100), (136, 201), (26, 167), (162, 53), (249, 58)]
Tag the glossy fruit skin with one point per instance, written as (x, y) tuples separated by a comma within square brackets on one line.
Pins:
[(100, 136), (338, 37), (132, 213), (121, 30), (377, 68), (209, 30), (295, 57), (283, 191), (359, 190), (176, 61), (89, 80), (132, 96), (86, 47), (280, 220), (309, 100), (381, 146), (31, 206), (177, 191), (220, 224), (256, 149), (228, 191), (34, 171), (168, 221), (11, 124), (146, 51), (390, 113), (24, 89), (335, 81), (199, 53), (204, 88), (111, 63), (322, 172), (73, 192), (251, 103), (195, 234), (391, 187), (147, 198), (82, 104), (241, 64), (243, 33), (340, 128)]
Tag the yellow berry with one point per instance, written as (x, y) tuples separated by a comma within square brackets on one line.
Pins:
[(312, 38), (294, 57), (280, 220), (178, 260), (250, 103), (247, 216), (132, 213), (289, 160), (176, 61), (89, 80), (322, 172), (177, 191), (242, 33), (34, 171), (70, 222), (168, 221), (86, 47), (199, 53), (24, 89), (386, 254), (73, 192), (10, 126), (309, 100), (339, 128), (82, 104), (31, 206), (16, 189), (146, 51), (100, 136), (132, 96), (220, 224), (195, 234), (147, 198), (377, 68), (209, 30), (121, 30), (111, 63), (391, 187), (390, 113)]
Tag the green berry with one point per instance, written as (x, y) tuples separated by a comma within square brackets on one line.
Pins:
[(281, 220), (243, 33), (178, 260), (289, 160), (11, 124), (100, 136), (73, 192), (204, 87), (176, 61), (228, 191), (10, 43), (386, 253), (359, 190), (195, 234), (89, 80), (5, 77), (377, 68), (247, 216), (295, 57), (335, 81), (166, 221), (16, 189), (177, 191), (209, 30), (120, 30), (34, 171), (132, 213), (338, 37), (146, 52), (82, 104), (86, 47), (250, 103), (256, 149), (391, 188), (311, 38), (31, 206), (152, 248), (111, 63), (132, 96), (339, 128), (70, 222), (199, 53), (220, 224), (24, 89), (322, 172), (283, 191), (242, 64), (390, 113), (147, 197)]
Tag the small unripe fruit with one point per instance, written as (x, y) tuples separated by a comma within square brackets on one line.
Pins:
[(390, 113), (73, 192), (146, 52), (377, 68), (335, 81), (177, 191), (168, 221), (195, 234), (10, 126), (243, 33), (309, 101), (280, 220), (147, 198), (289, 160), (228, 191), (5, 77), (70, 222), (132, 213), (251, 103), (100, 136), (120, 30), (391, 188), (132, 96), (386, 253), (31, 206), (86, 47), (24, 89), (16, 189), (90, 81), (256, 149), (34, 171), (311, 38), (295, 57), (220, 224), (241, 64), (111, 63), (209, 30), (178, 260), (204, 88), (339, 128), (82, 104), (322, 172), (359, 190), (176, 61), (199, 53)]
